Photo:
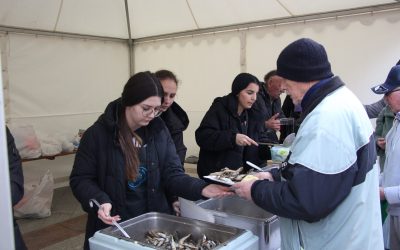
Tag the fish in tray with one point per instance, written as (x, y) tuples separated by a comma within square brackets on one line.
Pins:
[(168, 241), (229, 176)]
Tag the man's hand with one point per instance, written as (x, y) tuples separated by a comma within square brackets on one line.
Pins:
[(381, 194), (243, 189), (273, 123), (264, 176)]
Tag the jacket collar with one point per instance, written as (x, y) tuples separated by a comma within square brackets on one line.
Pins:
[(317, 93)]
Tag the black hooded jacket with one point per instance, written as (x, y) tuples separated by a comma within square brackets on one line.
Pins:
[(99, 170), (216, 136), (177, 121)]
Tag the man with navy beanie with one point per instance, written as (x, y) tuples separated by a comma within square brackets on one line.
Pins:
[(326, 190)]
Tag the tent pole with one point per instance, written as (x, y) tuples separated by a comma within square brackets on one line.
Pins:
[(130, 42), (38, 32), (6, 228)]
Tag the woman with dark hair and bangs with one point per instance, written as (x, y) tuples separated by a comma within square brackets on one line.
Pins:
[(127, 160), (230, 129)]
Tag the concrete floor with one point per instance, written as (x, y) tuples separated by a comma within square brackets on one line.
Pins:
[(63, 229)]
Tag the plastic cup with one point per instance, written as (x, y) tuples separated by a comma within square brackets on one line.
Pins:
[(287, 125)]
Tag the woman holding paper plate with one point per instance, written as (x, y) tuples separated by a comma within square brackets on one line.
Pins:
[(229, 131)]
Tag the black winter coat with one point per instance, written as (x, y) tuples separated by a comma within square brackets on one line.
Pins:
[(177, 121), (98, 170), (271, 108), (17, 184), (216, 136)]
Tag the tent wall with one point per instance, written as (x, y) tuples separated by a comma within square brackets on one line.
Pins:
[(58, 84), (361, 49)]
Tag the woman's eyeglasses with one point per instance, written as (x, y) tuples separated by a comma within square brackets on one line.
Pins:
[(148, 111)]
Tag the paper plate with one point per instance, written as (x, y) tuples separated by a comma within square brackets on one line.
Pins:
[(216, 180)]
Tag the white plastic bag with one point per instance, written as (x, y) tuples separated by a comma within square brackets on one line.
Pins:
[(50, 145), (36, 202), (26, 141)]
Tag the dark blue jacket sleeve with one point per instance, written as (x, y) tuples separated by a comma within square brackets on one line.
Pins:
[(176, 181), (305, 195), (15, 166)]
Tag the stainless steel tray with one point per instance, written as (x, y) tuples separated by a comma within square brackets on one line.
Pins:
[(138, 226), (237, 212)]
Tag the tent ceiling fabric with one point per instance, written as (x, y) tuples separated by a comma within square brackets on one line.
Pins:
[(211, 13), (93, 17), (107, 18), (303, 7)]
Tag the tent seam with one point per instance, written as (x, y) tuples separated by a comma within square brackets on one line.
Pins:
[(58, 15), (191, 13)]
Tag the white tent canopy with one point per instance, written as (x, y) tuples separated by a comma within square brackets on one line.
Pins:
[(63, 60), (147, 18)]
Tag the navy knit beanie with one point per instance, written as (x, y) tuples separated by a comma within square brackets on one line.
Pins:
[(139, 87), (304, 60), (241, 81)]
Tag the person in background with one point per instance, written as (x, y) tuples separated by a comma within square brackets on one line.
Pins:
[(176, 120), (390, 182), (17, 184), (127, 160), (173, 115), (290, 111), (269, 94), (327, 186), (384, 123), (229, 131), (374, 109)]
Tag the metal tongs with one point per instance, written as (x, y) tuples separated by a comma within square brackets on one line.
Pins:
[(91, 201)]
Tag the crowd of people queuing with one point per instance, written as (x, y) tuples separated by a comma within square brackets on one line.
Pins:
[(326, 192)]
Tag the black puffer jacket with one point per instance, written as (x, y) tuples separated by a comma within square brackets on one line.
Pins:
[(216, 136), (177, 121), (98, 170)]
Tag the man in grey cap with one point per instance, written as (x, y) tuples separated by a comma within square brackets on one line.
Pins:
[(325, 192), (390, 182)]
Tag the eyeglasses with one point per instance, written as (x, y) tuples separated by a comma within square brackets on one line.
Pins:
[(148, 111)]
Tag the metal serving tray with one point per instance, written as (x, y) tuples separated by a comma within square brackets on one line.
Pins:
[(237, 212), (112, 238)]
